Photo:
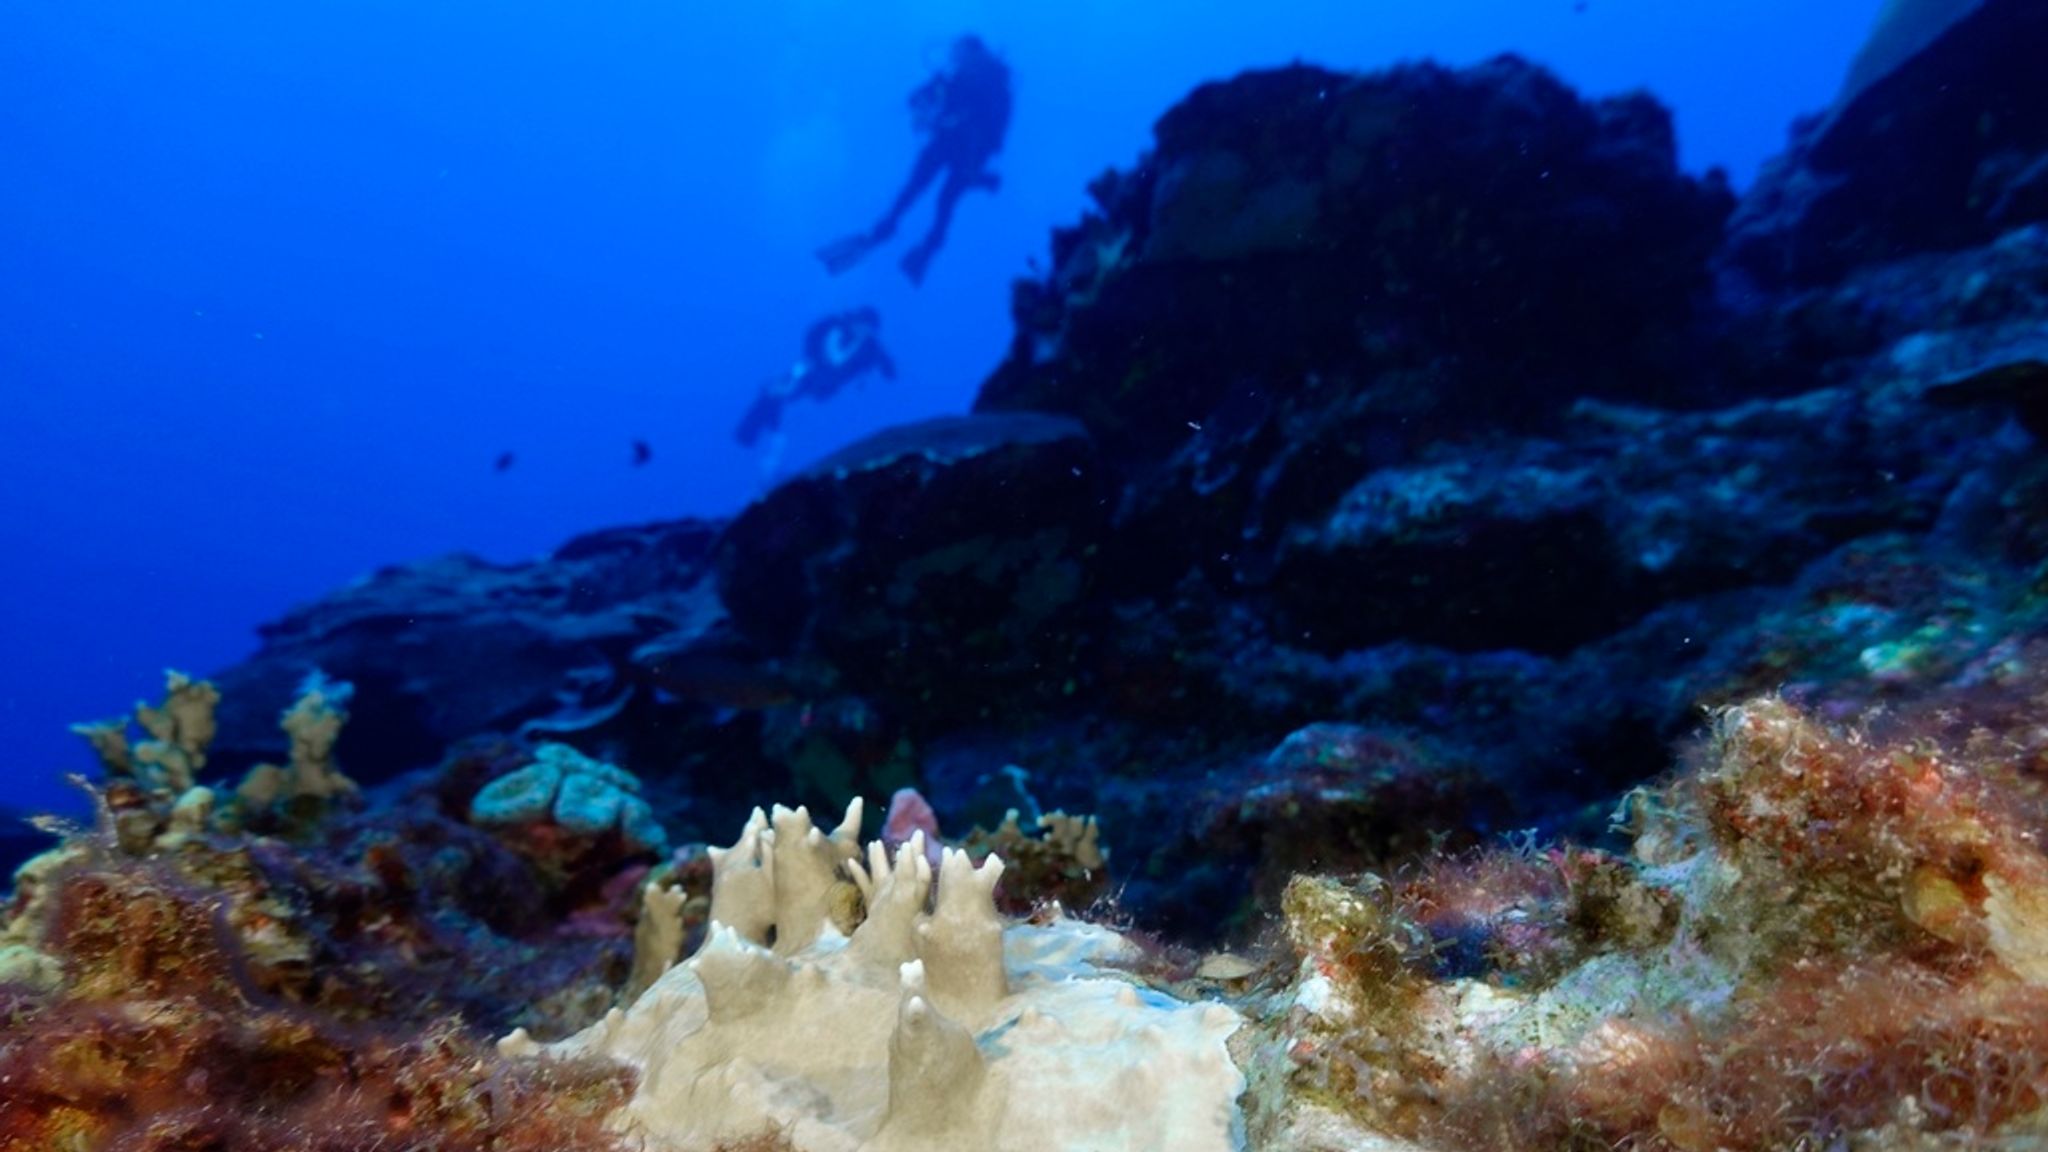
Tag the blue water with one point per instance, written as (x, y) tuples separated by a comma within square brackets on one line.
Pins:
[(279, 282)]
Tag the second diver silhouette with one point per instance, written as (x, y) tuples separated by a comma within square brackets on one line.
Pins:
[(964, 110), (838, 350)]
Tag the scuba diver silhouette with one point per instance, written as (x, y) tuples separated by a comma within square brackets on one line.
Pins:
[(838, 350), (965, 110)]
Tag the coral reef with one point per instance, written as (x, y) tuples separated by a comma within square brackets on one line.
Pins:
[(1819, 935), (150, 1034), (389, 907), (577, 795), (292, 973), (588, 636), (310, 779), (946, 563), (1385, 474), (1819, 938), (179, 731), (1064, 865), (1931, 147), (830, 1007), (1298, 429)]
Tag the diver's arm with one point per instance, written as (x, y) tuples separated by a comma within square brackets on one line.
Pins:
[(818, 340), (929, 93), (928, 103)]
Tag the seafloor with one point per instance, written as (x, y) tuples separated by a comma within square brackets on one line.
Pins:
[(1545, 653)]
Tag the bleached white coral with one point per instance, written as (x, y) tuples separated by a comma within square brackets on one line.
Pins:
[(931, 1026)]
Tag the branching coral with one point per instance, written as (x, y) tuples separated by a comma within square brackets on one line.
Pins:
[(383, 908), (310, 778), (675, 907), (1064, 864), (154, 788), (179, 731), (833, 1005)]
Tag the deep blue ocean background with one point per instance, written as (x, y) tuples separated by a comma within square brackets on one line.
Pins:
[(278, 283)]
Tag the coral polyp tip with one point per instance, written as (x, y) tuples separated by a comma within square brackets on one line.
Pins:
[(923, 1028)]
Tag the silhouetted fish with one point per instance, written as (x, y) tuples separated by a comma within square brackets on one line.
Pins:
[(504, 463), (641, 453)]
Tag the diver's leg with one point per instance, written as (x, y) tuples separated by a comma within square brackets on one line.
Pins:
[(917, 259), (841, 255), (762, 418), (771, 457), (985, 179), (930, 163)]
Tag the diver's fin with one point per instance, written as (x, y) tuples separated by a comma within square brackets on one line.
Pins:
[(841, 255), (764, 416)]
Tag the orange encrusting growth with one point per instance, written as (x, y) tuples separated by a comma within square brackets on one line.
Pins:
[(1819, 936), (156, 1041)]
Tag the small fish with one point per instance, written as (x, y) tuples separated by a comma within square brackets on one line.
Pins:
[(642, 453), (504, 463)]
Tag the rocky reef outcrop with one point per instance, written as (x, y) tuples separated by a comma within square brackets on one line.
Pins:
[(1812, 936), (948, 562), (1383, 462), (1938, 143), (1312, 276), (620, 630), (1387, 475)]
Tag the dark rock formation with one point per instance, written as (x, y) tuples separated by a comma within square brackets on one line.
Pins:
[(1389, 412), (449, 648), (1939, 142), (942, 565), (1547, 544), (1315, 274)]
